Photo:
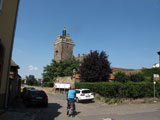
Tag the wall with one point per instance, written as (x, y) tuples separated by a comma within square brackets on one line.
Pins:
[(65, 51), (67, 79), (8, 16)]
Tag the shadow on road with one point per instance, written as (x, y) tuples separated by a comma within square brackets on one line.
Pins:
[(87, 102), (35, 112), (77, 113), (49, 113)]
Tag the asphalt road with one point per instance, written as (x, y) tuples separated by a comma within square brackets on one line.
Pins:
[(85, 111)]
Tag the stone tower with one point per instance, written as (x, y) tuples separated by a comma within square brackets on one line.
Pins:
[(63, 47)]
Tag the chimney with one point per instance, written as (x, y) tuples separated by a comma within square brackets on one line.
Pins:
[(78, 55), (90, 52)]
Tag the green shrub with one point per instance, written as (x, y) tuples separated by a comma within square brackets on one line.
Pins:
[(116, 100), (107, 100), (121, 77), (136, 77), (150, 72), (47, 84), (121, 90)]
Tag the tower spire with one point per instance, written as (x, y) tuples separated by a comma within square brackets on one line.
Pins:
[(64, 32)]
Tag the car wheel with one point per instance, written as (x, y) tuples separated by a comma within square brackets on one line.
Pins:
[(77, 100)]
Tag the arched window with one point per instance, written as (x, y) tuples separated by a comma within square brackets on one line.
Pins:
[(56, 52)]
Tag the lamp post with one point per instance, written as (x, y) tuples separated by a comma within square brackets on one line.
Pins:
[(159, 57)]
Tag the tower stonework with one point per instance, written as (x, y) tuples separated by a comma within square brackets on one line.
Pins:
[(63, 47)]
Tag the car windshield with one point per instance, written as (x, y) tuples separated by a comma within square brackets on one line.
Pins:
[(86, 91), (38, 93), (29, 88)]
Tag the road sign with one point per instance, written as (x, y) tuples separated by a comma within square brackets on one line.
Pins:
[(156, 77)]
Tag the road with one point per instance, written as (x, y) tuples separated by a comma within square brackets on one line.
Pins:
[(85, 111)]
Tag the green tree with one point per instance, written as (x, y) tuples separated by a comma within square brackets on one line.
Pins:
[(22, 81), (50, 71), (121, 77), (150, 72), (137, 77), (62, 68), (31, 80), (95, 67)]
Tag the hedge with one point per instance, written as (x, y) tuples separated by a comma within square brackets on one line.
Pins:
[(47, 84), (121, 90)]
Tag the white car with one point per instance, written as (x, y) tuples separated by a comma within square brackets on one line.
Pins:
[(84, 94)]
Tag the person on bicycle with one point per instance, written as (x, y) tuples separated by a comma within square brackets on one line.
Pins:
[(71, 96)]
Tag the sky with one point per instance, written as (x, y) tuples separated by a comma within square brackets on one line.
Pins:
[(127, 30)]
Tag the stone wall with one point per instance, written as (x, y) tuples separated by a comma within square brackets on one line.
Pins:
[(67, 79)]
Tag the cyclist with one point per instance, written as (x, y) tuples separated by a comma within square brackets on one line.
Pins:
[(70, 97)]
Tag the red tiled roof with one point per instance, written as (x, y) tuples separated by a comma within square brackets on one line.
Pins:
[(114, 69), (13, 64)]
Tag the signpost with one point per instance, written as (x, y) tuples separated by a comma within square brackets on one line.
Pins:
[(156, 77)]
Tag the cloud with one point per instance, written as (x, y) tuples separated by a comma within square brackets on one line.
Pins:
[(31, 68)]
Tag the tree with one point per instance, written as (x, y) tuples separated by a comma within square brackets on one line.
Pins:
[(148, 72), (22, 81), (50, 71), (95, 67), (31, 80), (136, 77), (62, 68), (121, 77)]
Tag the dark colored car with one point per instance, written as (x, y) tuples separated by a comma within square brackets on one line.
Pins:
[(25, 90), (36, 97)]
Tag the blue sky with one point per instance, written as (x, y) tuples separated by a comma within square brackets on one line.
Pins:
[(127, 30)]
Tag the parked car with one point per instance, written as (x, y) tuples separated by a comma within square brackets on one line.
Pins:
[(25, 90), (84, 95), (36, 97)]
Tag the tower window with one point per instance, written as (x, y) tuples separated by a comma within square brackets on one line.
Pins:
[(56, 52)]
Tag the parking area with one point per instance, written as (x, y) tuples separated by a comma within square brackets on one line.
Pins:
[(57, 104)]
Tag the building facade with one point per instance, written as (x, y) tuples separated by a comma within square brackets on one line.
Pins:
[(8, 16), (63, 47), (14, 83)]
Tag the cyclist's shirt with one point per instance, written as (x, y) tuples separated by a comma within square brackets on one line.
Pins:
[(71, 94)]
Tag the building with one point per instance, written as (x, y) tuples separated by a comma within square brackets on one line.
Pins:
[(14, 83), (8, 16), (63, 47)]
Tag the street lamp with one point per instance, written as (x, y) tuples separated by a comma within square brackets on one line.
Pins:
[(159, 57)]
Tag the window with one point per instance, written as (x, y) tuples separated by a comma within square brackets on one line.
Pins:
[(56, 52), (1, 1), (86, 91), (77, 91)]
